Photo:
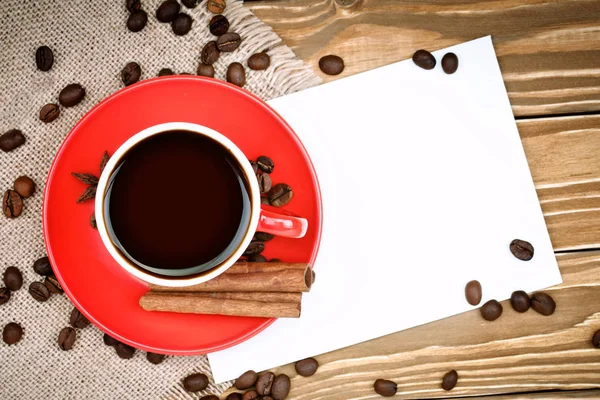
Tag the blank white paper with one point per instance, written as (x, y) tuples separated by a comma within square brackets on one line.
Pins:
[(424, 183)]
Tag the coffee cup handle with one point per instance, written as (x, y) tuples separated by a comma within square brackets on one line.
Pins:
[(282, 225)]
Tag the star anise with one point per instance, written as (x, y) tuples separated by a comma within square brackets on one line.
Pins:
[(91, 180)]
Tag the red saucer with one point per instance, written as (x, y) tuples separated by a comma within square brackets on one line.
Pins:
[(106, 294)]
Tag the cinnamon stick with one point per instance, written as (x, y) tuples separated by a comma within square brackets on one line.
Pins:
[(238, 304), (253, 277)]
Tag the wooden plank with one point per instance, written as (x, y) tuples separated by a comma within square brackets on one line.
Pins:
[(516, 353), (553, 395), (549, 51)]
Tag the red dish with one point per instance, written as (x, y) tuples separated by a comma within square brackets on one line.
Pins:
[(105, 293)]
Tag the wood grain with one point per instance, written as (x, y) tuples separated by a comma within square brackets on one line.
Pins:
[(516, 353), (549, 51), (553, 395)]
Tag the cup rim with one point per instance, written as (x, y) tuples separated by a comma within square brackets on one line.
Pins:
[(113, 162)]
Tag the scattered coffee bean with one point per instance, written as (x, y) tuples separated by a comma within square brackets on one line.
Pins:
[(195, 382), (520, 302), (49, 112), (182, 24), (264, 182), (250, 395), (331, 65), (264, 383), (39, 291), (66, 338), (166, 72), (44, 58), (307, 367), (205, 70), (4, 295), (449, 381), (265, 200), (254, 248), (209, 397), (124, 351), (218, 25), (109, 340), (190, 3), (25, 186), (491, 310), (12, 333), (234, 396), (543, 303), (133, 5), (281, 387), (257, 258), (263, 237), (259, 61), (229, 42), (473, 292), (521, 249), (216, 6), (265, 164), (168, 11), (137, 20), (450, 63), (78, 320), (210, 53), (596, 339), (131, 73), (12, 204), (236, 74), (424, 59), (71, 95), (11, 139), (246, 380), (93, 223), (42, 266), (266, 398), (13, 279), (155, 358), (280, 195), (385, 388), (53, 285)]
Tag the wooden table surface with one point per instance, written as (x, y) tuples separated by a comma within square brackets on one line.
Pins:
[(549, 53)]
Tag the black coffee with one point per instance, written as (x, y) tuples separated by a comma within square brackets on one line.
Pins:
[(178, 204)]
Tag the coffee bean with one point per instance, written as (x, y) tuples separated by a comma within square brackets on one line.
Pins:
[(190, 3), (166, 72), (25, 186), (543, 303), (42, 266), (12, 333), (131, 73), (137, 20), (216, 6), (78, 320), (12, 204), (53, 285), (209, 397), (44, 58), (331, 64), (168, 11), (246, 380), (307, 367), (385, 388), (263, 237), (519, 300), (266, 398), (133, 5), (210, 53), (259, 61), (109, 340), (229, 41), (264, 182), (71, 95), (473, 292), (218, 25), (449, 381), (491, 310), (265, 164), (596, 339), (254, 248), (521, 249), (236, 74), (424, 59), (264, 382), (39, 291), (155, 358), (250, 395), (13, 279), (257, 258), (11, 139), (124, 351), (281, 387), (4, 295), (235, 396), (205, 70), (265, 200), (195, 382), (280, 195), (49, 112), (182, 24), (450, 63), (66, 338)]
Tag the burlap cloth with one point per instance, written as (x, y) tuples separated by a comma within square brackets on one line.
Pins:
[(91, 44)]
